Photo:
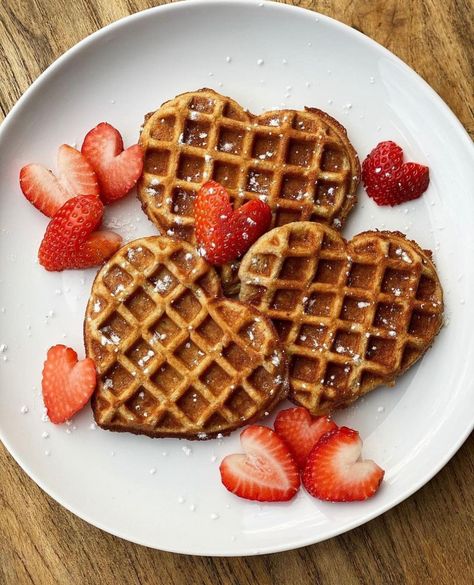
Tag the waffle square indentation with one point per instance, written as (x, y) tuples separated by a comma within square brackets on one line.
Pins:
[(162, 281), (216, 379), (294, 187), (182, 202), (332, 159), (192, 403), (157, 161), (319, 304), (300, 152), (259, 181), (190, 168), (362, 276), (140, 304), (304, 369), (190, 354), (265, 147), (187, 305), (226, 174), (230, 140), (239, 402), (164, 129), (196, 133), (381, 350)]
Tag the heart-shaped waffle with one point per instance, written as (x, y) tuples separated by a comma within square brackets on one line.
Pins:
[(299, 162), (173, 357), (352, 315)]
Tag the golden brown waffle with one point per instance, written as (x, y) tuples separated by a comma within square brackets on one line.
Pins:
[(299, 162), (352, 316), (173, 358)]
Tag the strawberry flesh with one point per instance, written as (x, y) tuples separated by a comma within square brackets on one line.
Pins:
[(300, 431), (117, 170), (266, 472), (48, 192), (67, 383), (389, 181), (222, 233), (334, 471)]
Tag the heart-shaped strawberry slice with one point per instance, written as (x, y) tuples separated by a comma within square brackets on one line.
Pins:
[(300, 431), (67, 383), (70, 240), (266, 472), (117, 169), (48, 192), (389, 181), (222, 233)]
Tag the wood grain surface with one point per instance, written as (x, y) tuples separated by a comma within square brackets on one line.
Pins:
[(426, 539)]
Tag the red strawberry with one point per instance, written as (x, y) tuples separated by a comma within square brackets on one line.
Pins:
[(67, 383), (117, 169), (334, 471), (300, 431), (48, 192), (69, 241), (388, 180), (222, 233), (266, 472)]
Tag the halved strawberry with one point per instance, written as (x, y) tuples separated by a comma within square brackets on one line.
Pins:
[(67, 383), (222, 233), (117, 170), (48, 192), (335, 472), (266, 472), (70, 240), (300, 431), (390, 181)]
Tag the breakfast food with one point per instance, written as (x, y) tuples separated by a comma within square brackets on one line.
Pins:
[(175, 359), (223, 234), (67, 383), (351, 315), (117, 169), (326, 456), (48, 192), (71, 241), (300, 163), (266, 471), (390, 181), (300, 431), (321, 318), (335, 472)]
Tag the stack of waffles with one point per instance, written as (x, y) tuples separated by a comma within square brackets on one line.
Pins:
[(318, 319)]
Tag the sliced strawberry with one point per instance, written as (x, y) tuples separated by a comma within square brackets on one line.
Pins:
[(67, 383), (42, 189), (389, 181), (266, 472), (222, 233), (75, 173), (48, 192), (69, 241), (334, 471), (99, 246), (300, 431), (117, 170)]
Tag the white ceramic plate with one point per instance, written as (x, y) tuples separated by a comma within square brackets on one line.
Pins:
[(166, 493)]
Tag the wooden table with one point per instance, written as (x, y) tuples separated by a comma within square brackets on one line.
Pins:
[(426, 539)]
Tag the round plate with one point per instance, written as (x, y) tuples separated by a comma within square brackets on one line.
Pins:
[(167, 493)]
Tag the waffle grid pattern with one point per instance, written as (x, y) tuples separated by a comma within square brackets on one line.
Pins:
[(173, 360), (351, 316), (299, 162)]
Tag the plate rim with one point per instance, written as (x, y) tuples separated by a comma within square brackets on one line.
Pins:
[(440, 103)]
